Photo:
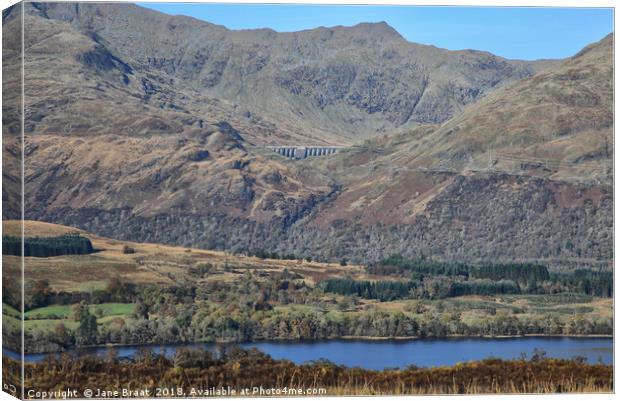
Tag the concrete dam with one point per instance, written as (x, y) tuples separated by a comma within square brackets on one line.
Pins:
[(302, 152)]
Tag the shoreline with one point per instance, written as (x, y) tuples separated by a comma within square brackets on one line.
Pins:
[(462, 336), (343, 338)]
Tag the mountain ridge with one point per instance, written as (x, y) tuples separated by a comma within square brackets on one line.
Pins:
[(355, 81)]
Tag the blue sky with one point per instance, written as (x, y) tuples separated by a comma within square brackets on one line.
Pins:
[(518, 33)]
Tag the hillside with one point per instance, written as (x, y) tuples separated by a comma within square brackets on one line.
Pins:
[(558, 124), (100, 133), (146, 127), (148, 264), (525, 171)]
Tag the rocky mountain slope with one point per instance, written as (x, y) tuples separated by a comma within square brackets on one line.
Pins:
[(84, 84), (348, 81), (559, 122), (556, 125), (132, 133)]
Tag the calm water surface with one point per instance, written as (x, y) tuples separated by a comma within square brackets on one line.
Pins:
[(397, 354)]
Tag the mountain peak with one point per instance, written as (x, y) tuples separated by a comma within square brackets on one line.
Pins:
[(605, 45), (378, 29)]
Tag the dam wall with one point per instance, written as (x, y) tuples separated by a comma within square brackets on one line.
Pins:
[(303, 152)]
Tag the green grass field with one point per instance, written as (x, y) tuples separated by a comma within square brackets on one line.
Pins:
[(47, 318), (112, 309), (8, 310), (52, 311), (49, 325), (64, 311), (11, 322)]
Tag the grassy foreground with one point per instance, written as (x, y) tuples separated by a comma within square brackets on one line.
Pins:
[(238, 368)]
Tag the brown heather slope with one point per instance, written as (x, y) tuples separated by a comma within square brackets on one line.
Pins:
[(150, 264), (101, 134), (115, 126), (491, 376)]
